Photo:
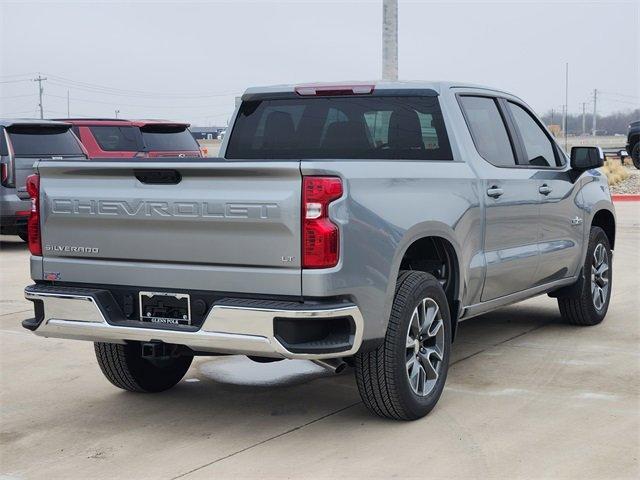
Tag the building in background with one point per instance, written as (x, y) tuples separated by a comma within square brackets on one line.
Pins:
[(206, 133)]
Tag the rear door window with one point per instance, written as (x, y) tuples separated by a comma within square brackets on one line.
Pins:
[(488, 130), (117, 139), (43, 141), (346, 127), (168, 138)]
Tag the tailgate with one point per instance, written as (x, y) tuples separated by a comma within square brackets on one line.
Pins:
[(208, 225)]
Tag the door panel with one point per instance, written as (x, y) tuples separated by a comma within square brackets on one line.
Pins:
[(560, 224), (561, 227), (511, 236), (512, 200)]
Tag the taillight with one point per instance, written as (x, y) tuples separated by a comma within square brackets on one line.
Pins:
[(33, 222), (320, 236), (5, 173)]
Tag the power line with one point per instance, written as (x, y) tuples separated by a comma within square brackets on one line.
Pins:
[(17, 96), (620, 95), (86, 100), (14, 81), (96, 88)]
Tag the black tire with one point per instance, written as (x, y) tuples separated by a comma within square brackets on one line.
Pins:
[(577, 307), (24, 236), (381, 374), (635, 155), (125, 368)]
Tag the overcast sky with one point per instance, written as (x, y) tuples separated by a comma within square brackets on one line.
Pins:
[(187, 60)]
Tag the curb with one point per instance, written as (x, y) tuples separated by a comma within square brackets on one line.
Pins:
[(626, 197)]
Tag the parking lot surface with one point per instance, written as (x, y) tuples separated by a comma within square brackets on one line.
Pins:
[(527, 396)]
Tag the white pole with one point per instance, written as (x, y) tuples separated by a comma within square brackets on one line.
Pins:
[(566, 103), (390, 40)]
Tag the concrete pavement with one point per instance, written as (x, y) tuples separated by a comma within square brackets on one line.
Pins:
[(527, 397)]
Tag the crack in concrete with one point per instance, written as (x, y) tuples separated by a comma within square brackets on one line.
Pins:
[(311, 422), (299, 427)]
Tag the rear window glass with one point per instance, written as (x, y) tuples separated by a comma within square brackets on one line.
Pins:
[(43, 141), (168, 138), (352, 127), (114, 138)]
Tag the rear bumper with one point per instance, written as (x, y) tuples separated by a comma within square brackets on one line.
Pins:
[(232, 325)]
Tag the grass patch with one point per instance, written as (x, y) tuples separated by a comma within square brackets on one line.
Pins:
[(614, 171)]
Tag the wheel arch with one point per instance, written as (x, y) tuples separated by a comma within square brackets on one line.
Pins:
[(605, 219), (423, 252)]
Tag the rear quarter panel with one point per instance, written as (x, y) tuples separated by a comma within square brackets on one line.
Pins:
[(387, 205)]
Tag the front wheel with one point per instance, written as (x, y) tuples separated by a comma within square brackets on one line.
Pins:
[(404, 377), (588, 304), (635, 155), (126, 368)]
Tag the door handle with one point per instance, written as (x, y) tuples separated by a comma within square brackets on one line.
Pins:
[(545, 189), (495, 192)]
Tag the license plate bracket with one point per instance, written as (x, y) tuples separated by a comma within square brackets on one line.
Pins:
[(165, 308)]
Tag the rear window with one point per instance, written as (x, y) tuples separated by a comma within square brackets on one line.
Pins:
[(340, 127), (114, 138), (43, 141), (168, 138)]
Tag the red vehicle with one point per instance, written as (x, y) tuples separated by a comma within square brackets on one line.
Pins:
[(118, 138)]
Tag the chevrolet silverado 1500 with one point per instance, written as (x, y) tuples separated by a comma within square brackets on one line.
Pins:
[(353, 223)]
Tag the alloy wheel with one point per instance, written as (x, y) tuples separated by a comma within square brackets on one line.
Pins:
[(600, 276), (425, 346)]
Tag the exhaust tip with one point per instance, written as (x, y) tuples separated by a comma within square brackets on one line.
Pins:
[(335, 365)]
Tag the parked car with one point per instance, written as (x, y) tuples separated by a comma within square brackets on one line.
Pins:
[(22, 142), (633, 143), (343, 223), (118, 138)]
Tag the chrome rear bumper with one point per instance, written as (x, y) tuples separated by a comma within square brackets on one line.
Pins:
[(234, 329)]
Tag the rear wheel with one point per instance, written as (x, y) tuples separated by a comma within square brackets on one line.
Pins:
[(588, 304), (126, 368), (404, 377)]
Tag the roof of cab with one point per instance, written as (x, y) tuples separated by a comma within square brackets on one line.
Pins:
[(9, 122), (436, 86)]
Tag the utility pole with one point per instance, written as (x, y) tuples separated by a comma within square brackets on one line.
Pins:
[(40, 79), (584, 118), (390, 40), (553, 115), (595, 111), (566, 103), (117, 112), (68, 114)]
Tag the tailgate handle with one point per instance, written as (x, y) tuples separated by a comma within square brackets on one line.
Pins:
[(158, 177)]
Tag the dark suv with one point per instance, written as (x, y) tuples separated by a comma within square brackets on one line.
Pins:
[(118, 138), (633, 142), (22, 143)]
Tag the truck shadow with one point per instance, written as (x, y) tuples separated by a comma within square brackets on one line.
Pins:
[(11, 243), (219, 392)]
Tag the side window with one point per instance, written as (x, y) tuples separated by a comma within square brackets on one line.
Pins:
[(76, 130), (537, 145), (488, 130), (4, 150)]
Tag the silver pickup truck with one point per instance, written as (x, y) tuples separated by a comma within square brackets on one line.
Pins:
[(351, 224)]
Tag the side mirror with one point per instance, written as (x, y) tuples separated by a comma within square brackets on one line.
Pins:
[(586, 158)]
